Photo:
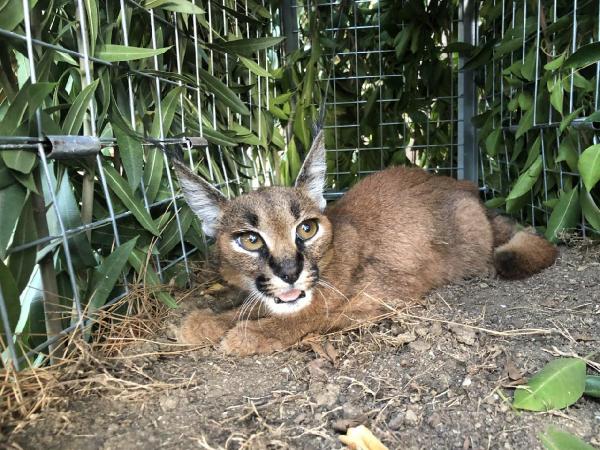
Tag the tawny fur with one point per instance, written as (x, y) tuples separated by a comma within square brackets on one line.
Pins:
[(393, 237)]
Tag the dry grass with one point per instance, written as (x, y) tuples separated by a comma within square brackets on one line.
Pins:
[(96, 366)]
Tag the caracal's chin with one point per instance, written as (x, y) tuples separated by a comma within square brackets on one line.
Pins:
[(277, 307)]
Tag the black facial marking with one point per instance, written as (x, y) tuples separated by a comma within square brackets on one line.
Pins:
[(295, 209), (251, 219), (288, 269), (262, 284)]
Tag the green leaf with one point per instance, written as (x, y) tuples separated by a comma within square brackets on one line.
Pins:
[(558, 385), (555, 63), (493, 142), (556, 95), (153, 171), (554, 439), (223, 93), (589, 166), (122, 190), (592, 386), (171, 234), (180, 6), (115, 53), (137, 259), (76, 114), (564, 215), (567, 153), (525, 123), (11, 13), (246, 47), (528, 69), (11, 298), (590, 210), (106, 275), (91, 8), (527, 179), (255, 68), (568, 119), (584, 56), (132, 156), (28, 100), (21, 263), (12, 199)]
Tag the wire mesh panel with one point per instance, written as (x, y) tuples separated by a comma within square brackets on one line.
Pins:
[(539, 90), (390, 82), (93, 98)]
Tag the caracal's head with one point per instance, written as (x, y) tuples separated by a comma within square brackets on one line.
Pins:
[(272, 242)]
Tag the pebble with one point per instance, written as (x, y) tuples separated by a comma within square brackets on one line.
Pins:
[(420, 345), (411, 417), (434, 420)]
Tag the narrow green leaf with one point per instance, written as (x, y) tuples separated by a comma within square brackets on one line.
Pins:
[(590, 210), (122, 190), (11, 298), (21, 263), (137, 259), (171, 234), (255, 68), (567, 153), (592, 386), (564, 215), (106, 275), (527, 179), (554, 439), (222, 92), (11, 13), (559, 384), (180, 6), (589, 166), (23, 107), (115, 53), (584, 56), (12, 199), (76, 114), (246, 47), (132, 156), (91, 8), (528, 69)]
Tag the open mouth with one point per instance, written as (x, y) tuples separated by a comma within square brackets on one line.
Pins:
[(290, 296)]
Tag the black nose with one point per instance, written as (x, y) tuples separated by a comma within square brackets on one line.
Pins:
[(288, 269)]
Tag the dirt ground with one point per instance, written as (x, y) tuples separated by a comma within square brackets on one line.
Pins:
[(417, 380)]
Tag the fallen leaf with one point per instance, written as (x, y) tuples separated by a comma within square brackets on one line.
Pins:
[(361, 438), (511, 370)]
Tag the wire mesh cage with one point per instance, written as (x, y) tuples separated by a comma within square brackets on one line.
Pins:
[(94, 96)]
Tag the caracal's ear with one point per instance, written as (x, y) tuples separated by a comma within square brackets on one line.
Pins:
[(204, 200), (312, 173)]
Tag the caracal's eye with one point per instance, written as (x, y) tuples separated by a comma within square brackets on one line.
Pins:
[(250, 241), (307, 229)]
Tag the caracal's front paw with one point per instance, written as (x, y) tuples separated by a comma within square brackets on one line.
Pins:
[(243, 340), (202, 327)]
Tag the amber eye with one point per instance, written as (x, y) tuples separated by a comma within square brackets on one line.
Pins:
[(250, 241), (307, 229)]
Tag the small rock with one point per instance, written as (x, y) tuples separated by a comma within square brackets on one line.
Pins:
[(327, 395), (422, 331), (467, 381), (434, 420), (420, 345), (411, 417), (436, 329), (463, 334), (168, 403), (483, 285), (396, 422), (405, 338)]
